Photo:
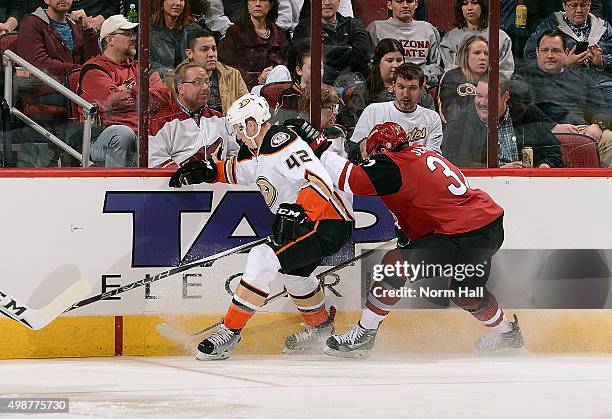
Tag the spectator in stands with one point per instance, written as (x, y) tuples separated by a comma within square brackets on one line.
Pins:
[(521, 125), (569, 97), (98, 10), (10, 14), (225, 82), (472, 18), (189, 130), (538, 10), (421, 41), (255, 44), (111, 81), (577, 24), (388, 56), (299, 64), (346, 43), (54, 43), (171, 22), (330, 103), (422, 125), (458, 85)]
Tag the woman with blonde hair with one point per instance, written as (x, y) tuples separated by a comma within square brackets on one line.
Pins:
[(458, 85), (472, 18), (330, 103)]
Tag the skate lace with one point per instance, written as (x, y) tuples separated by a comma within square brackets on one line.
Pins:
[(221, 336), (350, 337)]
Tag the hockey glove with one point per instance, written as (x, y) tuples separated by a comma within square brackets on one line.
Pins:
[(315, 139), (286, 226), (194, 172)]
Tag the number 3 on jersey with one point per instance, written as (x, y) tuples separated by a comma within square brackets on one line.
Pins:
[(293, 161), (458, 185)]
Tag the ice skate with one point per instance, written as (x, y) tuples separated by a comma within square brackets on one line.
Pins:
[(356, 343), (312, 338), (501, 341), (219, 345)]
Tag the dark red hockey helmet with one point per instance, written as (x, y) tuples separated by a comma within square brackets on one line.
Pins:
[(385, 137)]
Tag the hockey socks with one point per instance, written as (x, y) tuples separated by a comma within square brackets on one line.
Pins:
[(247, 299), (312, 306), (486, 310)]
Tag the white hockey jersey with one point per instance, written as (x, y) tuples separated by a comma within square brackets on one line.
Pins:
[(286, 171), (181, 140), (423, 126)]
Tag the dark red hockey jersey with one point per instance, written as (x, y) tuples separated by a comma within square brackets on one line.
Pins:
[(423, 190)]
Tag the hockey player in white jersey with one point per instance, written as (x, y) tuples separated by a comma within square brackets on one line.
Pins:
[(312, 221)]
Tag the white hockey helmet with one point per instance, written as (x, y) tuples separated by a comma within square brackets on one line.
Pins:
[(246, 107)]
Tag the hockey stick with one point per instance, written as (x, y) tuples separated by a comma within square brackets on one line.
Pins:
[(202, 263), (173, 334), (38, 318)]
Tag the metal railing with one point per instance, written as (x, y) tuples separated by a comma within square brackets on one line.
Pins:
[(89, 111)]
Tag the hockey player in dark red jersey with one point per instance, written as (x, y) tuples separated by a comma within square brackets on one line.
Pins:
[(440, 214)]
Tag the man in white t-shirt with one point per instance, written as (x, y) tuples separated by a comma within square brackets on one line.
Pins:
[(422, 125)]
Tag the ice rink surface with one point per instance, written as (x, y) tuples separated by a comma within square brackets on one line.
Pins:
[(519, 386)]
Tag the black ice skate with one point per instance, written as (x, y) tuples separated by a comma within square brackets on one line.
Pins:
[(356, 343), (310, 339), (219, 345), (501, 341)]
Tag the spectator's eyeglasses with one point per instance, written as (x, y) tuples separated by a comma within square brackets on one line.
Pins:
[(196, 82), (129, 34), (405, 1), (334, 108), (554, 51), (259, 1), (574, 6)]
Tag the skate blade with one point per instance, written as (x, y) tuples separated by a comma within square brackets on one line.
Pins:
[(200, 356), (357, 353)]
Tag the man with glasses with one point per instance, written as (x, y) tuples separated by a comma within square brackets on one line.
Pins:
[(421, 40), (189, 130), (570, 98), (588, 39), (111, 81)]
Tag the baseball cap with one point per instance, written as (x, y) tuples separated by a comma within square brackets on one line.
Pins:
[(114, 23)]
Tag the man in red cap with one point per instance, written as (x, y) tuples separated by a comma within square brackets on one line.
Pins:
[(447, 222)]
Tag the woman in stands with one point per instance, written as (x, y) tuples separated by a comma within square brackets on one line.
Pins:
[(330, 103), (256, 43), (171, 22), (458, 85), (472, 18), (388, 55)]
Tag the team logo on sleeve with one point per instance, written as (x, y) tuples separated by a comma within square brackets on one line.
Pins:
[(268, 191), (279, 138)]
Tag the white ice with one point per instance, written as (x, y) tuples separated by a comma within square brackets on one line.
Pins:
[(318, 386)]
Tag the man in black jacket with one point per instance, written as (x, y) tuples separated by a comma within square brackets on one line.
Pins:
[(572, 99), (522, 124), (346, 43)]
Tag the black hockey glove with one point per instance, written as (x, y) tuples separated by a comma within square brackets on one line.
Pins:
[(315, 138), (194, 172), (286, 226)]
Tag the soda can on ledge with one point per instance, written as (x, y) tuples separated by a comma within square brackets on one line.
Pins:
[(527, 157)]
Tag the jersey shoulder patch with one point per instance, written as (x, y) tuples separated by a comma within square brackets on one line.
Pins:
[(277, 138)]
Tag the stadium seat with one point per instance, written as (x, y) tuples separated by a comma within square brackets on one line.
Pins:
[(272, 92), (7, 41), (578, 150), (369, 10), (441, 14)]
